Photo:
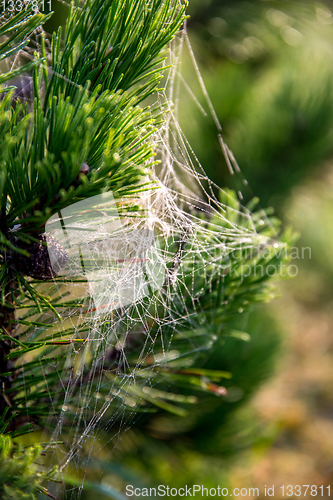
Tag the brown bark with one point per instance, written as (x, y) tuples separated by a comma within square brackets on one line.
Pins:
[(7, 317)]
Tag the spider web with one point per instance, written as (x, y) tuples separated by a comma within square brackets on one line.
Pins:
[(136, 288)]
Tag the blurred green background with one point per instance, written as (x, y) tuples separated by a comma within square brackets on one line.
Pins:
[(268, 69)]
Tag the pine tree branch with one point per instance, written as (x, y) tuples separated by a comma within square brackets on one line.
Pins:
[(16, 31)]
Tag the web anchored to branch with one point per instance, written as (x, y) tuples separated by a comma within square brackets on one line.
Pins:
[(141, 283)]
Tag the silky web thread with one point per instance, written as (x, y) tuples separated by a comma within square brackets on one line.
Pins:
[(174, 215)]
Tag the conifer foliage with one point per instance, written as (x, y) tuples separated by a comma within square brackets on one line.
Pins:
[(86, 130)]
